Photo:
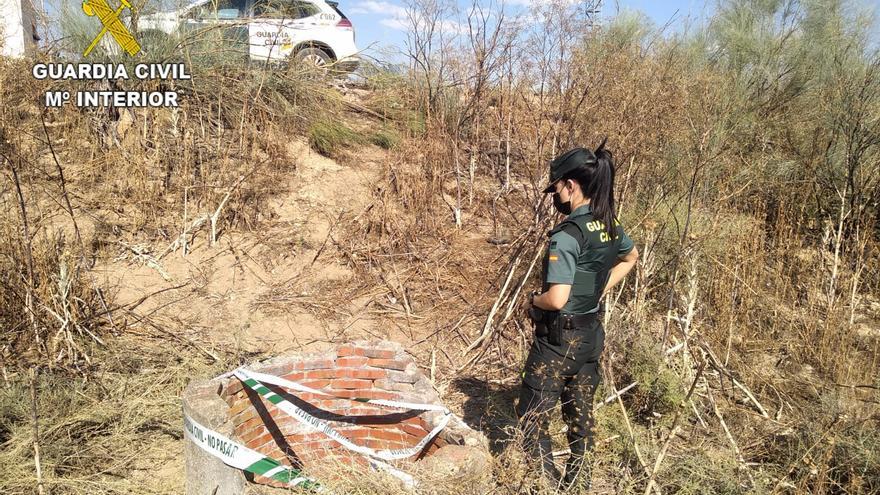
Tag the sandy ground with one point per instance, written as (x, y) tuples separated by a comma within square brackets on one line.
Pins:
[(223, 294)]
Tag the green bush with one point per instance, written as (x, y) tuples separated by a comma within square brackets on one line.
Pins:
[(385, 138), (660, 388), (328, 137)]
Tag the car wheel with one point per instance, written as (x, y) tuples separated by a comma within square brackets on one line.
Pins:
[(312, 58)]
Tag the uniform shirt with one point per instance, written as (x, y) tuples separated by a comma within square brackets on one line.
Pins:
[(565, 262)]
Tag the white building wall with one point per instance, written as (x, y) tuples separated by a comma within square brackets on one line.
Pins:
[(17, 27)]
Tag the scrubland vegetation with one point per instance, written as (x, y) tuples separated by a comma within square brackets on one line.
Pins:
[(748, 174)]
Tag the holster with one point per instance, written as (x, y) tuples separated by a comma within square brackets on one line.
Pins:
[(548, 324)]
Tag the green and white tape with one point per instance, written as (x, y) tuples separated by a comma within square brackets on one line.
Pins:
[(238, 456)]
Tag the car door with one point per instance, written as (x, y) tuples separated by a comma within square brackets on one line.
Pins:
[(278, 26), (221, 25)]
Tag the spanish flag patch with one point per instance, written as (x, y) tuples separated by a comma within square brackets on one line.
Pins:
[(553, 257)]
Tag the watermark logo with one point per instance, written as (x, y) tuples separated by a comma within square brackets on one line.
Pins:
[(110, 22)]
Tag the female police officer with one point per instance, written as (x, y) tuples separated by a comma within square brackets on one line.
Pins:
[(589, 253)]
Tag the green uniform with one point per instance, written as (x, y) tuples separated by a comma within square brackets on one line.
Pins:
[(580, 253), (566, 263)]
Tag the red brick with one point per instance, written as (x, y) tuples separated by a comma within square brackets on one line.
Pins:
[(320, 374), (390, 435), (379, 353), (374, 444), (402, 377), (306, 437), (232, 400), (244, 416), (295, 376), (233, 387), (314, 364), (365, 374), (416, 431), (315, 383), (284, 422), (252, 434), (402, 387), (365, 410), (348, 350), (393, 364), (346, 383), (278, 369), (378, 444), (359, 433), (261, 440), (249, 425), (311, 448), (352, 361), (378, 394), (270, 449), (327, 404), (415, 421)]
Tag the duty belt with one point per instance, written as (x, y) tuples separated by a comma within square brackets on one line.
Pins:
[(573, 320)]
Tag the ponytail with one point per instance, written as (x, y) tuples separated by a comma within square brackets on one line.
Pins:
[(601, 191), (596, 180)]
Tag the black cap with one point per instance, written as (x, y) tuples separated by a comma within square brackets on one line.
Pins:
[(566, 162)]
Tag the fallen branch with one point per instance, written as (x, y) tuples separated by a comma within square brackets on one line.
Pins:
[(363, 109), (216, 214), (736, 450), (181, 239), (502, 296), (145, 258), (614, 396), (324, 244)]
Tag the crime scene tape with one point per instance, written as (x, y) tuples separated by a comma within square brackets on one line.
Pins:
[(238, 456)]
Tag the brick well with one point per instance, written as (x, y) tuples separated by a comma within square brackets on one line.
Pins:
[(373, 370)]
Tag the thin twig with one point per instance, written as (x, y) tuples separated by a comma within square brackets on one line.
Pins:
[(324, 244), (64, 194), (36, 430)]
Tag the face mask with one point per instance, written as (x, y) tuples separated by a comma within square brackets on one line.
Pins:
[(564, 208)]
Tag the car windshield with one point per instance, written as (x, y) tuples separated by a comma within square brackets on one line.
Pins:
[(220, 9)]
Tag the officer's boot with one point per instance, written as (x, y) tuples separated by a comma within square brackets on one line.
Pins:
[(577, 478), (578, 475)]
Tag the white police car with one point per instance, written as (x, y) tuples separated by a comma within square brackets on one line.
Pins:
[(311, 31)]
